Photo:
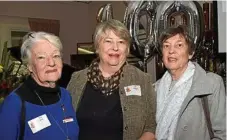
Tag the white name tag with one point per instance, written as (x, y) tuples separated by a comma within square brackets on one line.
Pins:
[(67, 120), (133, 90), (39, 123)]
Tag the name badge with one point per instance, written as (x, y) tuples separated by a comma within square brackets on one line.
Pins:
[(39, 123), (133, 90), (67, 120)]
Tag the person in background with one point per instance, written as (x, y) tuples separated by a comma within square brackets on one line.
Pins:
[(67, 72), (45, 108), (182, 90), (113, 100)]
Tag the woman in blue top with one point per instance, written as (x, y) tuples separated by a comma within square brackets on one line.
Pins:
[(39, 109)]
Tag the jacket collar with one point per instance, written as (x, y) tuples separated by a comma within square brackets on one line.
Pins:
[(81, 81), (200, 84), (126, 77)]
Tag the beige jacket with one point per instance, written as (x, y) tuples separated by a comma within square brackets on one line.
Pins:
[(138, 111)]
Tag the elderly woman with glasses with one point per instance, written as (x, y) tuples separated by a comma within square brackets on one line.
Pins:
[(113, 100), (39, 109)]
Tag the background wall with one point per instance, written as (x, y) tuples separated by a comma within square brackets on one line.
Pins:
[(222, 45), (73, 16), (77, 20)]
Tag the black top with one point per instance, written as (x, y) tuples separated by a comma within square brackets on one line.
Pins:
[(29, 87), (99, 116)]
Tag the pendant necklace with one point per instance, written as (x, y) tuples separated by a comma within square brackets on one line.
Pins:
[(63, 110)]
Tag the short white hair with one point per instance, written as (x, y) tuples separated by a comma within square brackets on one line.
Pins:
[(33, 37)]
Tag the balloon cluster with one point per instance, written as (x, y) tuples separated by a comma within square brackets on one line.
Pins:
[(153, 17)]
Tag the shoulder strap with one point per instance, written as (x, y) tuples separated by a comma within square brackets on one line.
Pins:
[(22, 119), (207, 115)]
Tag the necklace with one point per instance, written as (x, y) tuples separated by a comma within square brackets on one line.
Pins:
[(63, 110)]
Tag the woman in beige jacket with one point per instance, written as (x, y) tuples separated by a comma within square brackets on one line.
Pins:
[(113, 100)]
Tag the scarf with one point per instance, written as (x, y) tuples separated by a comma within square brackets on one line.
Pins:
[(106, 85), (169, 102)]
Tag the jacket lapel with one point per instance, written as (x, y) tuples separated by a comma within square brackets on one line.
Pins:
[(125, 79), (199, 87), (80, 85)]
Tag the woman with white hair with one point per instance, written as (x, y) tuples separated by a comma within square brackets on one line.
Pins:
[(39, 109)]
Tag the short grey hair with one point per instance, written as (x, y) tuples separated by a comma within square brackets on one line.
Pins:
[(111, 25), (33, 37), (182, 30)]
